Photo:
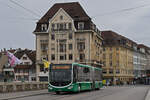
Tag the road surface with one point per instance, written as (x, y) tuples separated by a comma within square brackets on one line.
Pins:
[(108, 93)]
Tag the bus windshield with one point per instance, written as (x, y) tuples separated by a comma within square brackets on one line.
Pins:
[(60, 76)]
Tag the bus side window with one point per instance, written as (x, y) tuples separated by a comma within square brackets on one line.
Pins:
[(86, 70)]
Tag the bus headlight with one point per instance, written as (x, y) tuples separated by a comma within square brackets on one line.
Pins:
[(50, 88), (70, 87)]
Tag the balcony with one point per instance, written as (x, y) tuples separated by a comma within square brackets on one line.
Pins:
[(8, 70)]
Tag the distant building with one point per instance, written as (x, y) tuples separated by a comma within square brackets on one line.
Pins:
[(144, 64), (117, 58), (26, 71), (66, 34)]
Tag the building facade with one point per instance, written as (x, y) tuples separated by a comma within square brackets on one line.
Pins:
[(66, 34), (26, 71), (117, 58), (143, 64), (7, 73)]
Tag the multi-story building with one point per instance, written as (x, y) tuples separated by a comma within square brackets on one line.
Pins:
[(26, 71), (66, 34), (117, 58)]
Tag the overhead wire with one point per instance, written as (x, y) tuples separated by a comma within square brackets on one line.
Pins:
[(32, 12), (2, 3), (21, 18), (98, 15), (121, 11)]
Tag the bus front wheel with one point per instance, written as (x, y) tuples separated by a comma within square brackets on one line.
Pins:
[(57, 92)]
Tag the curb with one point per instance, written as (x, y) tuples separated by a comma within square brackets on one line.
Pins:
[(148, 95)]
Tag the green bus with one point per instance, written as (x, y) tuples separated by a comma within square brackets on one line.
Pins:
[(74, 78)]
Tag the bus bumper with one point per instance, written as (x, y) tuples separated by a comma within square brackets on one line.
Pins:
[(71, 88)]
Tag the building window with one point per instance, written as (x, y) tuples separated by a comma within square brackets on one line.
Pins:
[(110, 56), (61, 17), (53, 26), (111, 71), (63, 57), (81, 25), (110, 63), (70, 25), (53, 36), (104, 56), (26, 63), (44, 27), (117, 71), (58, 26), (62, 47), (44, 47), (82, 57), (53, 57), (70, 35), (61, 26), (117, 64), (70, 46), (70, 57), (33, 79), (104, 71), (53, 46), (65, 26), (81, 46), (117, 49), (24, 58)]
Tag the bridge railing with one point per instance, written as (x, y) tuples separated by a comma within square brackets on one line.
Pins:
[(22, 86)]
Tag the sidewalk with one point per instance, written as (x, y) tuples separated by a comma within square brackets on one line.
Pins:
[(5, 96), (148, 95)]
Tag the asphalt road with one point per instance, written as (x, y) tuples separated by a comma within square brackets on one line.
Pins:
[(108, 93)]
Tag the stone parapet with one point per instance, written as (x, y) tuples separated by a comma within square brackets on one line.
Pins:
[(22, 86)]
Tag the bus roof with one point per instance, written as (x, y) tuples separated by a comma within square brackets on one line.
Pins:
[(87, 66)]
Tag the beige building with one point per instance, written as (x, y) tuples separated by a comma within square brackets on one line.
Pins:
[(117, 58), (66, 34)]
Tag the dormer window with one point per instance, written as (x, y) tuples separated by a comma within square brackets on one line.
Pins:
[(44, 27), (81, 25), (24, 58)]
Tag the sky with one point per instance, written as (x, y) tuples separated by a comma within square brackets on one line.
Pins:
[(130, 18)]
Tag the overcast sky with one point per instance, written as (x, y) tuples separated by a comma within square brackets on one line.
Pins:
[(130, 18)]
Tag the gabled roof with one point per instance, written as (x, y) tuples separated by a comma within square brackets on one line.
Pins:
[(31, 54), (74, 9)]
